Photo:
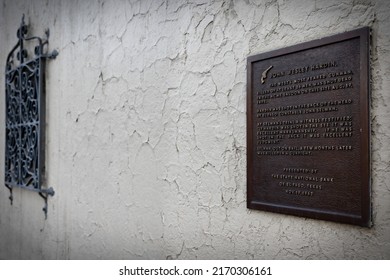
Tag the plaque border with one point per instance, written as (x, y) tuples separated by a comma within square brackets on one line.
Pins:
[(365, 218)]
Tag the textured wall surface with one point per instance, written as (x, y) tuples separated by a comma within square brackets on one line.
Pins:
[(146, 131)]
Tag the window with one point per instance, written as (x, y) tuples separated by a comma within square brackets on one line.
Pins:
[(25, 115)]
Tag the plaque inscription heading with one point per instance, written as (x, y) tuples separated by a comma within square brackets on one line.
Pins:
[(308, 147)]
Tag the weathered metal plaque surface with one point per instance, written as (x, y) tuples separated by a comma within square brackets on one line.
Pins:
[(308, 147)]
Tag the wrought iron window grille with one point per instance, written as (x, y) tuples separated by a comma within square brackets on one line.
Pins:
[(25, 114)]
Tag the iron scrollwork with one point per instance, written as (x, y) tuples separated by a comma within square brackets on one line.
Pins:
[(25, 114)]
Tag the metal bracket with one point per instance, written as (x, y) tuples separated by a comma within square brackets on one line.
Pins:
[(45, 195), (11, 197)]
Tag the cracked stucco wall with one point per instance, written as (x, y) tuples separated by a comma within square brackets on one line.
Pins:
[(146, 131)]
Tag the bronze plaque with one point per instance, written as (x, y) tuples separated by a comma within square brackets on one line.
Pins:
[(308, 147)]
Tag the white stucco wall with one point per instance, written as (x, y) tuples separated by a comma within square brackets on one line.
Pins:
[(146, 131)]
